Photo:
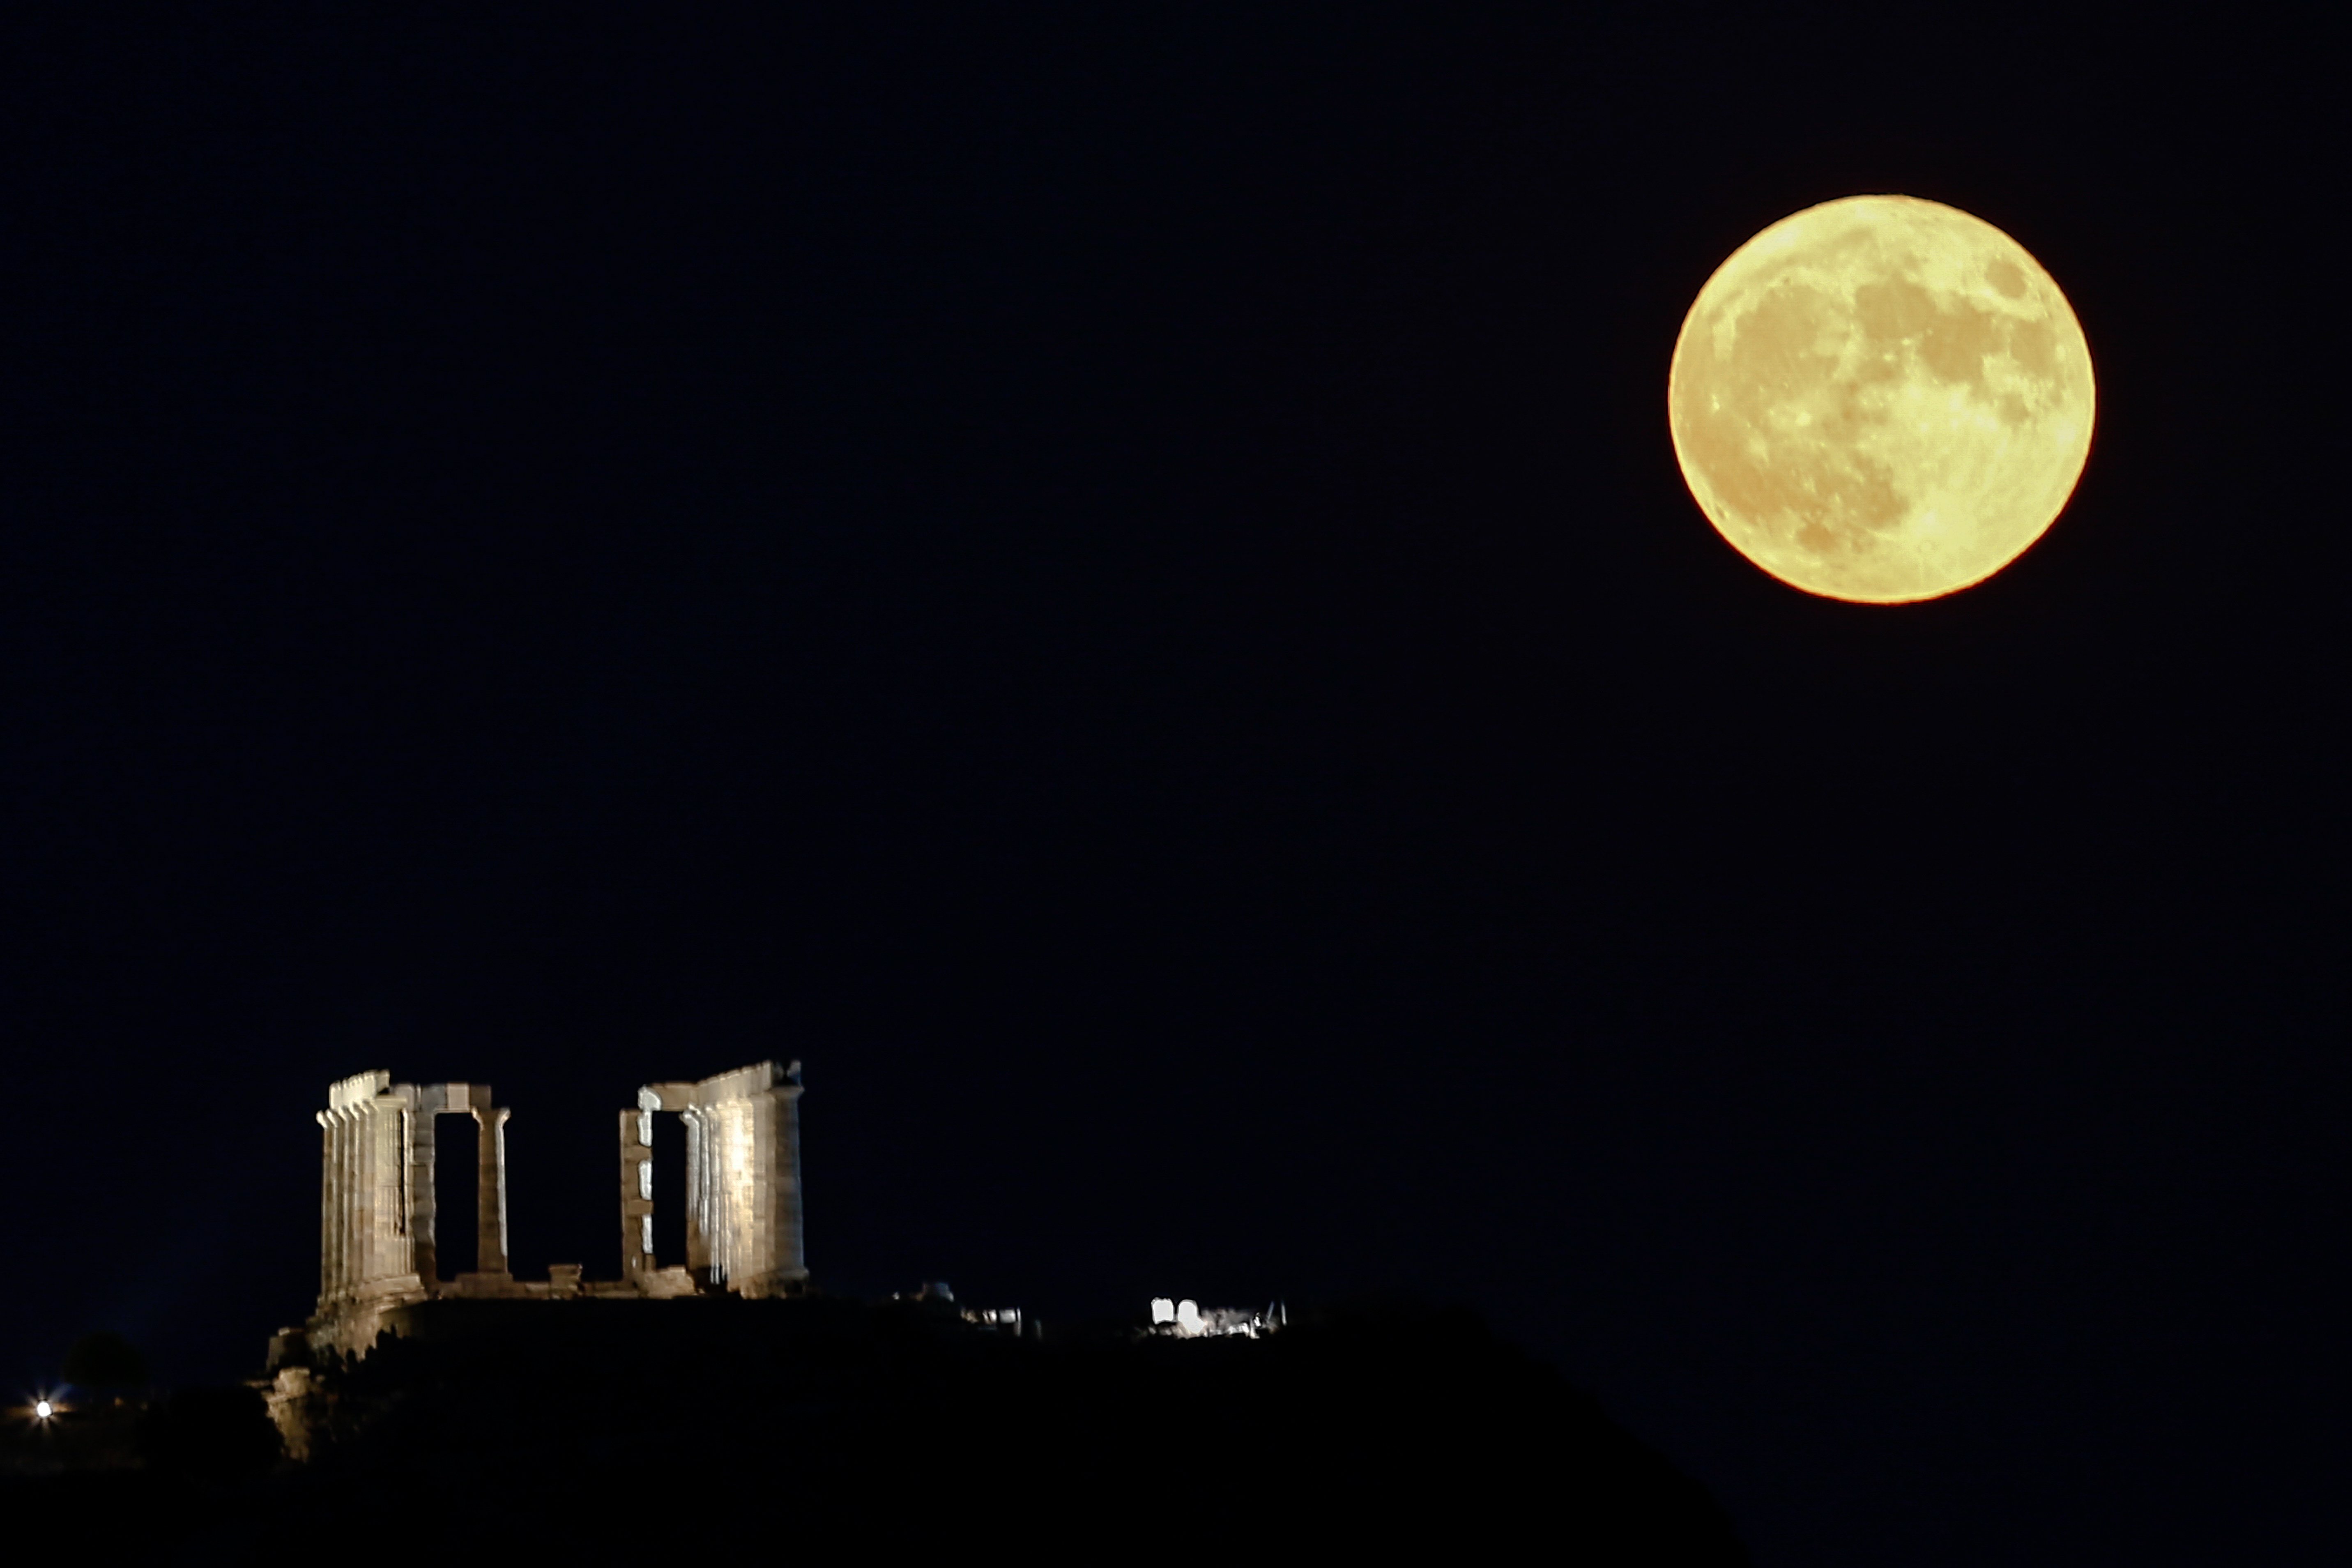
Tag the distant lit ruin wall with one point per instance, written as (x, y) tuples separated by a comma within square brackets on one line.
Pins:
[(367, 1246), (742, 1179), (376, 1217)]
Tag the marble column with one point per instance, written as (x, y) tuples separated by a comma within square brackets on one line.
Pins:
[(403, 1149), (367, 1191), (347, 1227), (636, 1193), (699, 1173), (387, 1222), (424, 1242), (331, 1212), (491, 1191)]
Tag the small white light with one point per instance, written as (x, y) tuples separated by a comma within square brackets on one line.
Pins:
[(43, 1410)]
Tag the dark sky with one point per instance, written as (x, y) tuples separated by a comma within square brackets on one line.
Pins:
[(1114, 581)]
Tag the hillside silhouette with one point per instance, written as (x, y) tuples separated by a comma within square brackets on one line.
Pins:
[(815, 1423)]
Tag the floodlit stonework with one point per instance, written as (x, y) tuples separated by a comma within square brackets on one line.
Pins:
[(382, 1243), (743, 1180), (378, 1231)]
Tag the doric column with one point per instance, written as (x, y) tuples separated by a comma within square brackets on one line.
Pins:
[(424, 1242), (402, 1117), (491, 1191), (329, 1210), (367, 1128), (742, 1199), (749, 1139), (765, 1120), (332, 1268), (387, 1175), (779, 1147), (636, 1193), (700, 1218), (347, 1220)]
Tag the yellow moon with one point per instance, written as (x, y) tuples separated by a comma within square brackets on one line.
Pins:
[(1881, 399)]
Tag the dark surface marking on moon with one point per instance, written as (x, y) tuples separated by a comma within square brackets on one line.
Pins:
[(2033, 348), (1952, 342), (1836, 500)]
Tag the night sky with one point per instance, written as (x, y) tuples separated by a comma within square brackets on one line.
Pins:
[(1114, 581)]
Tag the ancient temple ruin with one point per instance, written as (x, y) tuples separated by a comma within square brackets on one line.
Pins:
[(382, 1243)]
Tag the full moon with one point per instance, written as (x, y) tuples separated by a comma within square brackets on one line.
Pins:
[(1881, 399)]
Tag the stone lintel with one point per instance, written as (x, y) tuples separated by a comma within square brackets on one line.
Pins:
[(667, 1097)]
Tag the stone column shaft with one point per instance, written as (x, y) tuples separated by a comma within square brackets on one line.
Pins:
[(364, 1197), (491, 1191), (329, 1212), (403, 1189), (424, 1239), (636, 1193), (347, 1224), (699, 1219)]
